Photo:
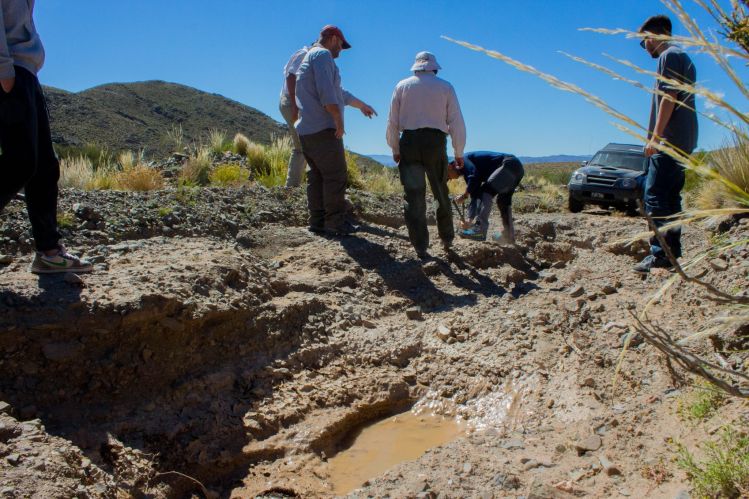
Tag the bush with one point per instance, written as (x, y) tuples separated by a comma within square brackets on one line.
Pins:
[(725, 470), (230, 175), (355, 180), (139, 178), (196, 169), (539, 195), (241, 144), (219, 144), (95, 154), (76, 173), (269, 163), (732, 163), (383, 181)]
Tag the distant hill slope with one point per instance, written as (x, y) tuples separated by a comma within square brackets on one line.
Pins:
[(139, 115), (560, 158)]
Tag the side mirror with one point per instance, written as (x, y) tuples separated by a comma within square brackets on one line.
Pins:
[(583, 163)]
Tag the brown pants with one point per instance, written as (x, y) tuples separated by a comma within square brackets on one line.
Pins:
[(326, 178)]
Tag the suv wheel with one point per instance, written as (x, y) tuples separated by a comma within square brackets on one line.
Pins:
[(574, 205)]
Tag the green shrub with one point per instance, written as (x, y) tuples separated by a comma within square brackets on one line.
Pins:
[(355, 180), (229, 175), (724, 472)]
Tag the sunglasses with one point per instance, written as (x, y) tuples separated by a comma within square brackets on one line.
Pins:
[(642, 43)]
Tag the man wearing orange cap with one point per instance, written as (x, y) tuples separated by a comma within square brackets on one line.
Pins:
[(321, 99)]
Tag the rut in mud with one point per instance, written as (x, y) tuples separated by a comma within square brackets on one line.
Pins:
[(248, 362)]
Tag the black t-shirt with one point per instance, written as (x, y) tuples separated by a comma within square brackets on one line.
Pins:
[(681, 130)]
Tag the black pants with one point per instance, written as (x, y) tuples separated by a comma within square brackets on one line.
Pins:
[(28, 160), (326, 179)]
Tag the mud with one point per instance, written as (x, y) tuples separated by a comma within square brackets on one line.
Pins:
[(240, 367)]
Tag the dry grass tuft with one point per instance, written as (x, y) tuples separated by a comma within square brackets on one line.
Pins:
[(731, 163), (76, 173), (218, 142), (196, 169), (241, 144), (139, 178)]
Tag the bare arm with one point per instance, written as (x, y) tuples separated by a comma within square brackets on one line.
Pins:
[(362, 106), (665, 110), (335, 111)]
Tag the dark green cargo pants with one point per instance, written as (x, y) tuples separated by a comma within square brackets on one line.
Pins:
[(326, 178), (424, 152)]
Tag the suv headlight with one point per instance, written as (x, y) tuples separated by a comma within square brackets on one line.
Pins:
[(577, 178), (628, 183)]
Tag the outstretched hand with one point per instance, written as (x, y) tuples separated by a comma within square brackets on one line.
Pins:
[(368, 111)]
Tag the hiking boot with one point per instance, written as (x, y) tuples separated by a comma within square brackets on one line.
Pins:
[(423, 255), (652, 262), (345, 229), (62, 261), (473, 234)]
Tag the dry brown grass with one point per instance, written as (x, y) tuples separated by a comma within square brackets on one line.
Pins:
[(241, 144), (139, 178), (196, 169)]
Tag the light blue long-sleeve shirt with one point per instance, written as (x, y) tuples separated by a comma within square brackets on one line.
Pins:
[(318, 84), (19, 42)]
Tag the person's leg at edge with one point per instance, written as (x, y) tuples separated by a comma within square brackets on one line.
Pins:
[(314, 188), (296, 160), (435, 162), (41, 189), (17, 140), (335, 177), (414, 186)]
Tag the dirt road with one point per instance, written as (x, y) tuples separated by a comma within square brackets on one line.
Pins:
[(246, 360)]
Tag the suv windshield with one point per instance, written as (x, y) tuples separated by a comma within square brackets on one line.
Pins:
[(619, 160)]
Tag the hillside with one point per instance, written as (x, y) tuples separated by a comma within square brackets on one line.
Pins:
[(139, 116)]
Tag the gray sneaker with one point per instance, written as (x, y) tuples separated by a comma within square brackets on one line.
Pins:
[(60, 262)]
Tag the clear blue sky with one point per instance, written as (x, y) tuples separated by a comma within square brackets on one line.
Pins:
[(237, 48)]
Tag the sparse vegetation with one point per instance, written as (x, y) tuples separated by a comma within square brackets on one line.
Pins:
[(196, 170), (732, 164), (382, 181), (76, 173), (553, 173), (95, 154), (139, 178), (724, 472), (175, 137), (702, 403), (355, 180), (218, 142), (241, 144), (229, 175), (65, 220), (539, 195)]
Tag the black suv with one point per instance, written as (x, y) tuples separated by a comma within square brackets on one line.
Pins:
[(614, 177)]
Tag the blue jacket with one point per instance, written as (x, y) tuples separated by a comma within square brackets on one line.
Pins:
[(479, 165)]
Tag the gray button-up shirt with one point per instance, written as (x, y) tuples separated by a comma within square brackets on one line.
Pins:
[(318, 84)]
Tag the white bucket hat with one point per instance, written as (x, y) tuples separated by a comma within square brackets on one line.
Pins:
[(425, 61)]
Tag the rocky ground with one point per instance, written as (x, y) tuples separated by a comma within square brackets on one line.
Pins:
[(222, 350)]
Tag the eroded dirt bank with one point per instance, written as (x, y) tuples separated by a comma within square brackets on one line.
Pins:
[(245, 352)]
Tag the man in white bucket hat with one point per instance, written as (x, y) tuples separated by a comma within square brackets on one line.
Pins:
[(425, 108)]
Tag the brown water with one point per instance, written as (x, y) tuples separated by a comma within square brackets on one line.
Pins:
[(381, 446)]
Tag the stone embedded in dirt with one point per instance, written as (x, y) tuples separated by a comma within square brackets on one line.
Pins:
[(74, 279), (443, 332), (86, 212), (414, 313), (467, 468), (576, 291), (610, 467), (588, 382), (608, 289), (5, 408), (590, 443), (13, 459), (6, 259), (719, 265), (513, 443)]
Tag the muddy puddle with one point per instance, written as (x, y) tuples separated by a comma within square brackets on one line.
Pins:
[(377, 448)]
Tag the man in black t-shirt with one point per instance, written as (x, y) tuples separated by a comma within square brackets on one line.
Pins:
[(673, 120)]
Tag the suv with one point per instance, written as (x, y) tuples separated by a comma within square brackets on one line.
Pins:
[(614, 177)]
